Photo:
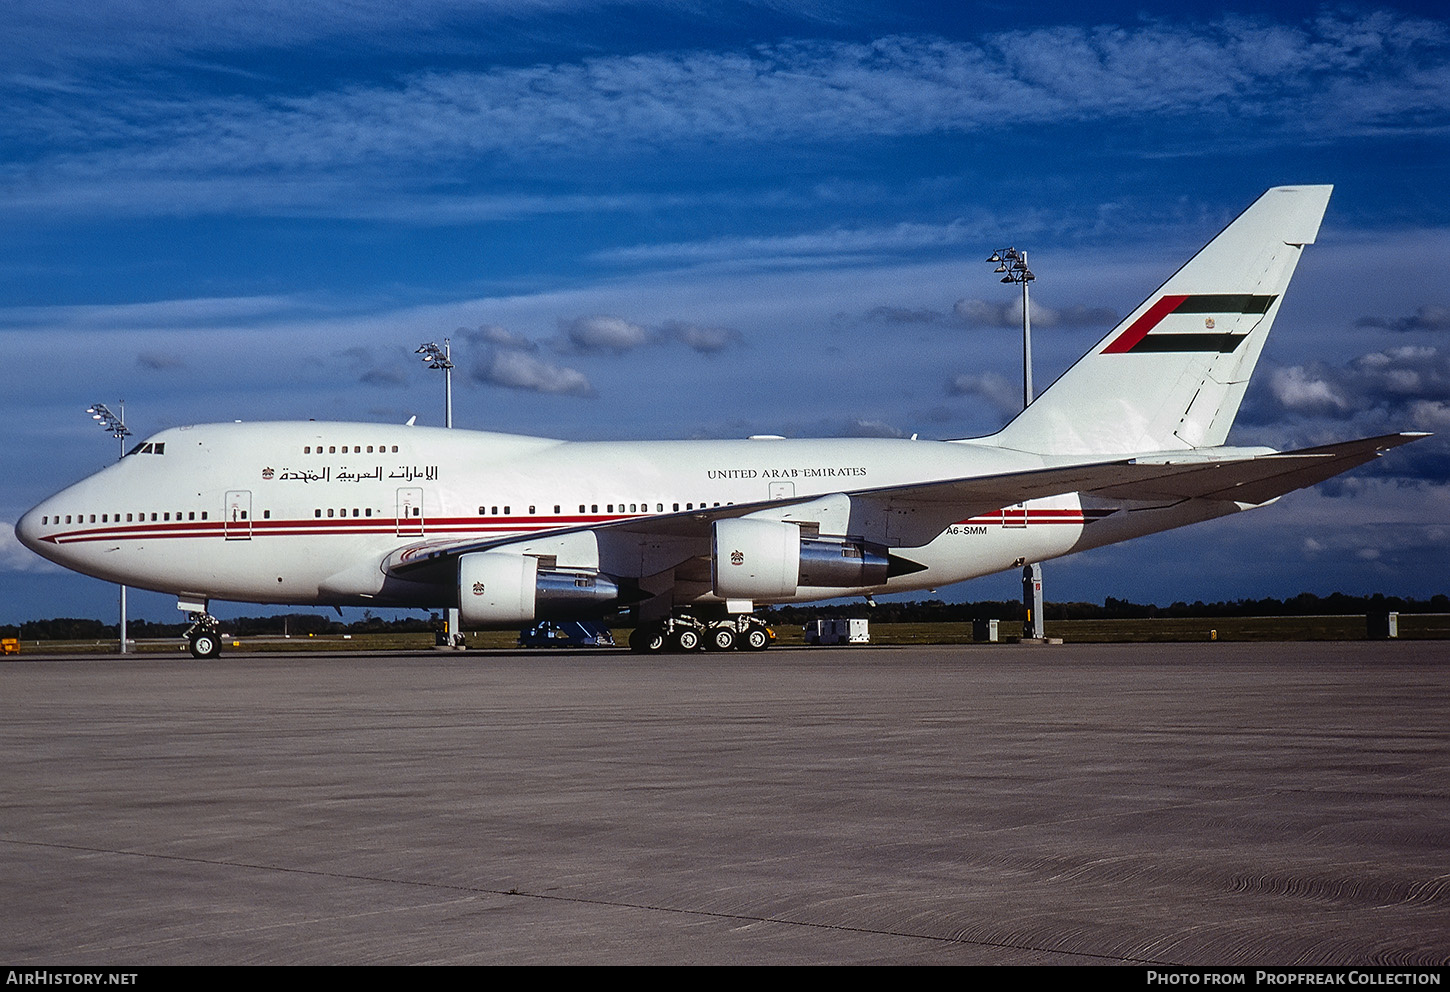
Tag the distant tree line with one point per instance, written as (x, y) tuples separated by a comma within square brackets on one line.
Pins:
[(295, 624), (927, 611), (935, 611)]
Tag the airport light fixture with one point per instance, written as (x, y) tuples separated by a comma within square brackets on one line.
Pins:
[(441, 358), (115, 426), (111, 423), (1012, 265)]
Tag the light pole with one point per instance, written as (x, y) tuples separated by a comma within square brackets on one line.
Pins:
[(442, 358), (115, 426), (1013, 266)]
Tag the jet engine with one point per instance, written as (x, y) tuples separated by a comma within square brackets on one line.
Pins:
[(496, 588), (771, 559)]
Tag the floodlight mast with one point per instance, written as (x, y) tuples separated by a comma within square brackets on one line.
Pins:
[(114, 425), (442, 358), (1013, 266)]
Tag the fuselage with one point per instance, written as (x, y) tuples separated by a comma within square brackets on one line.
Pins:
[(303, 513)]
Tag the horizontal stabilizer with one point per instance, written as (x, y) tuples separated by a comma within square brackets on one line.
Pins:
[(1261, 479)]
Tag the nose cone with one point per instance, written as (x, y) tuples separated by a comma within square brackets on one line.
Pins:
[(27, 530)]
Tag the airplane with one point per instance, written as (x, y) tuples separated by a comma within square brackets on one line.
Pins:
[(691, 536)]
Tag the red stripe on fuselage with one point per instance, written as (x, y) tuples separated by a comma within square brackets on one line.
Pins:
[(434, 526), (314, 526), (1040, 517)]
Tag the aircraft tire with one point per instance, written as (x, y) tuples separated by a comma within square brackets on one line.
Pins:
[(756, 639), (720, 639), (648, 640), (205, 646), (686, 639)]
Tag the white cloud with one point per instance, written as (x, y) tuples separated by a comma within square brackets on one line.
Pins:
[(518, 370), (97, 150), (835, 244), (980, 313), (119, 31), (1295, 389), (1004, 396), (1430, 415), (705, 340), (862, 427), (492, 334), (16, 557), (602, 332), (1425, 318)]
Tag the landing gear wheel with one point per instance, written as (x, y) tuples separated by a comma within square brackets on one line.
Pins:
[(720, 639), (757, 639), (648, 640), (686, 639), (205, 646)]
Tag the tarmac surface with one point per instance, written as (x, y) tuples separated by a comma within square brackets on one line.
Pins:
[(1283, 804)]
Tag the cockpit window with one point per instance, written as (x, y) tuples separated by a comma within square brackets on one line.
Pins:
[(149, 448)]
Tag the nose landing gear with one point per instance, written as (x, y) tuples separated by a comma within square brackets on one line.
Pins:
[(202, 636)]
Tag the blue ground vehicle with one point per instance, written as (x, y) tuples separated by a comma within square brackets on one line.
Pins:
[(566, 634)]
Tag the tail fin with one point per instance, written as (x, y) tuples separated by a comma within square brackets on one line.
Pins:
[(1173, 373)]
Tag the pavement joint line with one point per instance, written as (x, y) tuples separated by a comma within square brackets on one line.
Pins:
[(584, 901)]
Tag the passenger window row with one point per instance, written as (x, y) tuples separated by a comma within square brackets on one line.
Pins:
[(116, 518), (483, 511), (504, 511)]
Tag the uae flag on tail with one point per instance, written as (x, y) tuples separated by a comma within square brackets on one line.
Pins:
[(1214, 322)]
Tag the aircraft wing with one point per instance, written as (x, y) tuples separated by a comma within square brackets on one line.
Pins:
[(912, 515), (909, 516)]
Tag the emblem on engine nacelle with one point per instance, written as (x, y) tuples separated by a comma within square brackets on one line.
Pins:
[(737, 557), (478, 588)]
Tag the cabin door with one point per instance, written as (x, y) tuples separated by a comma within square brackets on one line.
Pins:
[(237, 515), (410, 512)]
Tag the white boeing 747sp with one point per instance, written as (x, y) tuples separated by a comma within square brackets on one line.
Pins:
[(691, 535)]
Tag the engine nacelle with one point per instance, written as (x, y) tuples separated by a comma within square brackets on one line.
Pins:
[(498, 589), (755, 559), (770, 559)]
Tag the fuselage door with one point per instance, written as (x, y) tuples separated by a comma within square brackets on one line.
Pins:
[(1014, 515), (782, 490), (237, 515), (410, 512)]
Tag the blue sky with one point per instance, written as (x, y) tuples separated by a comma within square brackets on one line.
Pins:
[(662, 219)]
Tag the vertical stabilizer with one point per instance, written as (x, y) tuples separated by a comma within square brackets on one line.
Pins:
[(1173, 373)]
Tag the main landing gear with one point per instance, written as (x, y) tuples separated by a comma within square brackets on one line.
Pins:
[(203, 636), (687, 633)]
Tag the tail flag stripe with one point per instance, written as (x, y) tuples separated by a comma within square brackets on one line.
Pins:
[(1139, 338), (1139, 328)]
